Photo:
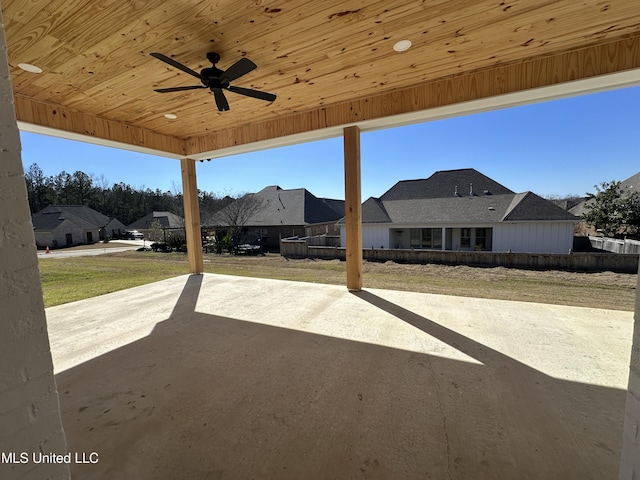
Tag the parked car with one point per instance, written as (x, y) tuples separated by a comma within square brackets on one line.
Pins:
[(133, 235)]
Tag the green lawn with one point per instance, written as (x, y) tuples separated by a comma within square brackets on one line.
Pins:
[(70, 279)]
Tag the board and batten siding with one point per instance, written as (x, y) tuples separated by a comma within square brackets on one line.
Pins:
[(373, 236), (533, 237), (521, 237)]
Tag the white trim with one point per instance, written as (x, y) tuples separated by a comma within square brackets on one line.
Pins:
[(77, 137), (628, 78)]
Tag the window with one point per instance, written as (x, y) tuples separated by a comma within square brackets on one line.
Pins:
[(465, 238), (436, 234), (484, 239), (481, 238), (426, 238), (415, 238)]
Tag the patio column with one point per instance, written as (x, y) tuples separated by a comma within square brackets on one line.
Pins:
[(192, 215), (353, 208), (29, 407)]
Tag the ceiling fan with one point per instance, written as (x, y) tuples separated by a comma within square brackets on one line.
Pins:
[(217, 80)]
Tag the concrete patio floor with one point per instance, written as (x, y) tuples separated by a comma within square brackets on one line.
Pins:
[(222, 377)]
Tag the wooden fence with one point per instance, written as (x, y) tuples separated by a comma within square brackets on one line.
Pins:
[(579, 261)]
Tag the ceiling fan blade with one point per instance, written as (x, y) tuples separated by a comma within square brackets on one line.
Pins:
[(178, 89), (221, 100), (269, 97), (177, 65), (238, 69)]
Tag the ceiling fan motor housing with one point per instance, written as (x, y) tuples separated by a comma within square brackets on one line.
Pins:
[(214, 77)]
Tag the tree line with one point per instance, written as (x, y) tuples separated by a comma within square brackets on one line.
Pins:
[(119, 200), (612, 210)]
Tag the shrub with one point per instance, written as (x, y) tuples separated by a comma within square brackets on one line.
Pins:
[(159, 247)]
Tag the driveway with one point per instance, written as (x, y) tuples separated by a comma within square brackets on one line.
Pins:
[(94, 250)]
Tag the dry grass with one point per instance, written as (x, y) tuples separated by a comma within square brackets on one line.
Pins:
[(71, 279), (596, 290)]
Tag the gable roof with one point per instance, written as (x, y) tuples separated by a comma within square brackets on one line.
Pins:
[(374, 211), (166, 219), (277, 206), (49, 218), (529, 206), (446, 183), (434, 201)]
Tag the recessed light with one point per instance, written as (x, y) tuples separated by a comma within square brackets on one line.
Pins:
[(170, 116), (402, 45), (27, 67)]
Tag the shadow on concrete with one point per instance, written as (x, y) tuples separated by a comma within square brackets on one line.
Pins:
[(211, 397)]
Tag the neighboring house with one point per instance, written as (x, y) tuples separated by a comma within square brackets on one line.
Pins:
[(114, 229), (464, 210), (167, 220), (66, 225), (169, 223), (582, 228), (278, 213)]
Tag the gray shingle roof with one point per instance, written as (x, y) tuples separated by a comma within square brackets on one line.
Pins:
[(446, 183), (529, 206), (50, 217), (632, 182), (374, 211), (433, 201), (290, 207), (166, 219), (448, 210)]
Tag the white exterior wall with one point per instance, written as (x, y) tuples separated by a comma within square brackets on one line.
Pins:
[(523, 237), (533, 237), (375, 236), (29, 408)]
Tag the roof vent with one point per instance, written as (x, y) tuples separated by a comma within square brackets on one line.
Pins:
[(492, 208), (487, 192), (471, 189), (455, 191)]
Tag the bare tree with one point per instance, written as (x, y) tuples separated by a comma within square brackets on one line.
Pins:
[(238, 211), (210, 204), (176, 189)]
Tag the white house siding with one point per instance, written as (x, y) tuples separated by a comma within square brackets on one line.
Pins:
[(533, 237), (373, 236), (524, 237)]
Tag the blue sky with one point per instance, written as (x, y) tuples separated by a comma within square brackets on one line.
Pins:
[(553, 148)]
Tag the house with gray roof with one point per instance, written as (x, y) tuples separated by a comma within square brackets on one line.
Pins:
[(630, 184), (66, 225), (167, 220), (464, 210), (279, 213), (159, 226)]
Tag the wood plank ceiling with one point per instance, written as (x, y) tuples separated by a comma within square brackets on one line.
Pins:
[(330, 63)]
